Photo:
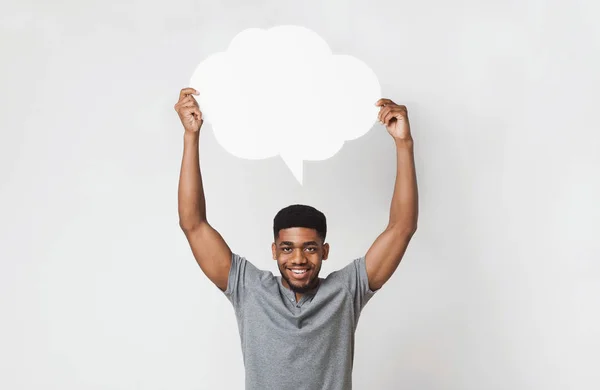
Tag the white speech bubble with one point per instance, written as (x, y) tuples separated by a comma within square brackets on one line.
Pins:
[(282, 92)]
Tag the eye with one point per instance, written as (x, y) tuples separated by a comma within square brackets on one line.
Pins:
[(285, 250), (311, 249)]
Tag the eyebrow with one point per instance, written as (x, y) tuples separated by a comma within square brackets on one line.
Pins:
[(289, 243)]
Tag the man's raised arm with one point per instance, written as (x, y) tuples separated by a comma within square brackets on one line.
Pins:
[(210, 250), (387, 251)]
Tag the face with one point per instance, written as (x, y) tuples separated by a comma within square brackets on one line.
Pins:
[(303, 250)]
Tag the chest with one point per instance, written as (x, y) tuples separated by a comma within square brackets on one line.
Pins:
[(276, 313)]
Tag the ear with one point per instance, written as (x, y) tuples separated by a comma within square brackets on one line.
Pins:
[(274, 250), (325, 251)]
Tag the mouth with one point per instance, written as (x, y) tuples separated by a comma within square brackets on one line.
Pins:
[(299, 273)]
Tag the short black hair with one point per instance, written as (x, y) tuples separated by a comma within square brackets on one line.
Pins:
[(299, 215)]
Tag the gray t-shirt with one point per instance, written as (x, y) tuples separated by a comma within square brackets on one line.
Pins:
[(308, 345)]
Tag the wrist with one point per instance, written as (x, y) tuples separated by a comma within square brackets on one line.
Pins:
[(404, 142), (191, 135)]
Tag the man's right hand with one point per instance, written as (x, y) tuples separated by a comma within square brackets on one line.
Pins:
[(189, 111)]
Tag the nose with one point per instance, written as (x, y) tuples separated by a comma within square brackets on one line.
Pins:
[(298, 257)]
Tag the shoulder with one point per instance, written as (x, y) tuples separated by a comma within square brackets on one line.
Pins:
[(251, 274), (348, 273), (349, 270)]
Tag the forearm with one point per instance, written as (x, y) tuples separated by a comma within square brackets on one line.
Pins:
[(404, 209), (191, 203)]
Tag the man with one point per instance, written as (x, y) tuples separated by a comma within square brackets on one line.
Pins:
[(297, 330)]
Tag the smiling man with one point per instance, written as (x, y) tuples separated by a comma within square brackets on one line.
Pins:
[(297, 329)]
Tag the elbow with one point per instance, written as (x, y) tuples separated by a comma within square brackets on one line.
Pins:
[(183, 226), (405, 230), (410, 232), (188, 226)]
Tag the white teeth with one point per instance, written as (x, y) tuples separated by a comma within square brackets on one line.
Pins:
[(298, 272)]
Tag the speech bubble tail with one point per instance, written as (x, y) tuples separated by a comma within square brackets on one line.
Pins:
[(295, 164)]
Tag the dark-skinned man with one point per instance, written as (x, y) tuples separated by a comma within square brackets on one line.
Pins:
[(297, 329)]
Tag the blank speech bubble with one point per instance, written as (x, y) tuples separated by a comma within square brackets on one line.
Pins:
[(283, 92)]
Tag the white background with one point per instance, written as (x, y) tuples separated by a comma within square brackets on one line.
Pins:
[(498, 290)]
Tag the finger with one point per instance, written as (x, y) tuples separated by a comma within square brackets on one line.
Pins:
[(379, 116), (397, 113), (383, 102), (188, 103), (197, 113), (383, 112), (185, 112), (389, 116), (186, 92), (185, 99)]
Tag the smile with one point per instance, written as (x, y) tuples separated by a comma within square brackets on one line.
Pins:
[(299, 273)]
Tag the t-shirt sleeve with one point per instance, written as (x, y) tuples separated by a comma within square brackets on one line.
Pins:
[(354, 278), (242, 275)]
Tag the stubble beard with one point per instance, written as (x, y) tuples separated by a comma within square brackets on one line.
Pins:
[(301, 289)]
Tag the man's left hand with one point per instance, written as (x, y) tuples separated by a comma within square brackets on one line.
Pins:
[(395, 119)]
